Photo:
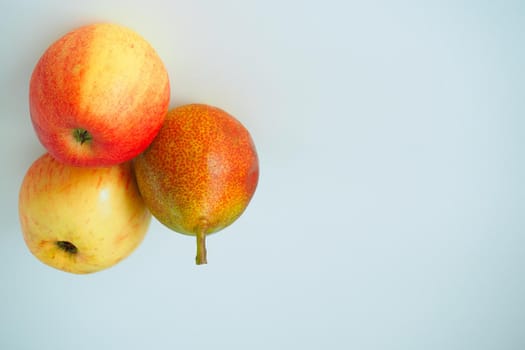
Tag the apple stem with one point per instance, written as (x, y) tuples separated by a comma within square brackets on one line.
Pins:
[(201, 259), (81, 135), (68, 247)]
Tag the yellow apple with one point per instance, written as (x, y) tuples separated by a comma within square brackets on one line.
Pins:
[(78, 219)]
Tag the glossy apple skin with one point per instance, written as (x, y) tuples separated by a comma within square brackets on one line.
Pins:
[(98, 210), (103, 78), (200, 172)]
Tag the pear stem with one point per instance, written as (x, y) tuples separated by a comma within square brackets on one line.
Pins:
[(200, 259)]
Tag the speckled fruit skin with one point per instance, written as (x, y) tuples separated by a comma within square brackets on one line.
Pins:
[(98, 210), (107, 80), (200, 172)]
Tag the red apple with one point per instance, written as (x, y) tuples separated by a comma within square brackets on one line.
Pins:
[(98, 96)]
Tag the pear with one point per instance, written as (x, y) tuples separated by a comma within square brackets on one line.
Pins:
[(199, 173)]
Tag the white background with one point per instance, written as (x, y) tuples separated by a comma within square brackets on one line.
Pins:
[(390, 207)]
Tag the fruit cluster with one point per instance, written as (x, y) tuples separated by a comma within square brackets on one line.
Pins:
[(99, 103)]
